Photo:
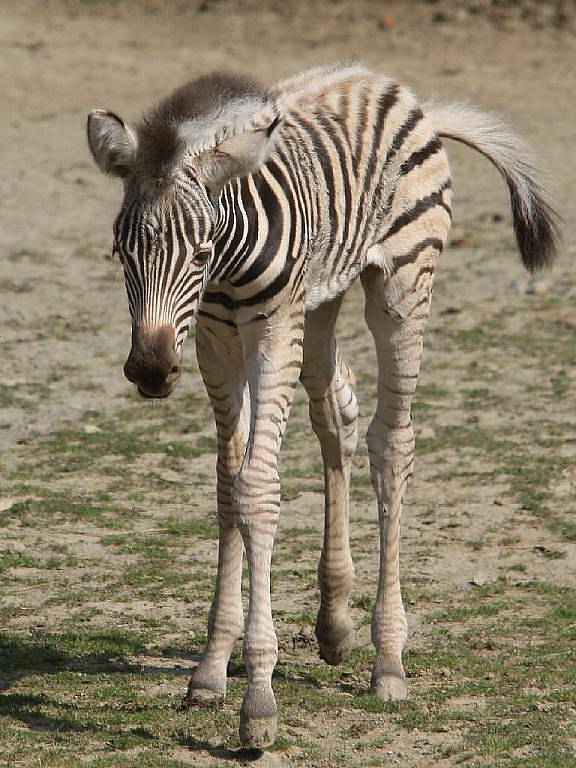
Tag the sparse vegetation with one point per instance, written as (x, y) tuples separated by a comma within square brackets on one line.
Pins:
[(491, 673), (108, 503)]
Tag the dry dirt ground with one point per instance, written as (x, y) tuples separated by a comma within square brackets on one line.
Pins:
[(107, 503)]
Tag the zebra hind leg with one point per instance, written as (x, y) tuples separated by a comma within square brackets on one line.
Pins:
[(390, 438), (334, 417)]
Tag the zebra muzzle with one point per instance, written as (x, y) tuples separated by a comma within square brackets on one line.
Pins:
[(153, 364)]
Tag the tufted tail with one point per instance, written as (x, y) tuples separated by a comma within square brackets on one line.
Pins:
[(536, 221)]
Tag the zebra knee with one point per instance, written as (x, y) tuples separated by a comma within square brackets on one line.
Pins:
[(391, 453), (256, 501), (348, 421), (334, 418)]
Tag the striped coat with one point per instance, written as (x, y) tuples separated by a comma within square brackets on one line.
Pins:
[(253, 210)]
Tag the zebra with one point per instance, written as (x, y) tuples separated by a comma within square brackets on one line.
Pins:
[(250, 211)]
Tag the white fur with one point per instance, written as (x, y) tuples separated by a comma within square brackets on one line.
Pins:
[(206, 132), (490, 136)]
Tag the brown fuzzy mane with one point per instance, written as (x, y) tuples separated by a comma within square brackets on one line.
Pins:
[(160, 142)]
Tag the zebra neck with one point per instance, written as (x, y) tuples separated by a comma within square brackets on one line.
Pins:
[(239, 220)]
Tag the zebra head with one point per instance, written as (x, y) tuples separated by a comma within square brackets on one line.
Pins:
[(173, 165)]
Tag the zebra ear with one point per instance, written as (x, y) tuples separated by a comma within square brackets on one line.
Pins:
[(112, 143), (237, 156)]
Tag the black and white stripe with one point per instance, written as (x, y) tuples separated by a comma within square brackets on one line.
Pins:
[(157, 248), (355, 175), (255, 211), (301, 226)]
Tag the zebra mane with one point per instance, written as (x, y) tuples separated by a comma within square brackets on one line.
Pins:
[(195, 118)]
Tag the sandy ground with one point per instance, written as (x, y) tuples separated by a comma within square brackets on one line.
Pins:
[(64, 326)]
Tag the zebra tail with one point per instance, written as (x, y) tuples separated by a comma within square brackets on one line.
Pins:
[(537, 223)]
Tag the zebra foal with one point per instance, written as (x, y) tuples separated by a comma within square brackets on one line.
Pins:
[(252, 211)]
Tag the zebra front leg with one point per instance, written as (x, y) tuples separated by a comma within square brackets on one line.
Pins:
[(390, 442), (334, 417), (221, 363), (273, 352)]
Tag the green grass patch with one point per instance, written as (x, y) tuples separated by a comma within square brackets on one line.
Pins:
[(66, 507), (72, 450)]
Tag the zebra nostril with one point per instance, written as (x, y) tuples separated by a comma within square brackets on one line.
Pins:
[(154, 362)]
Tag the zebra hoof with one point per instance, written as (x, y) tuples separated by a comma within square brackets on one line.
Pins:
[(335, 642), (390, 688), (204, 690), (258, 717), (258, 732), (202, 697), (336, 654)]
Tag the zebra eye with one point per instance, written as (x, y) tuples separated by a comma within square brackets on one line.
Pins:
[(201, 257)]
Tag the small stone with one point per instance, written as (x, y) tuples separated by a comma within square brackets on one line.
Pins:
[(91, 429), (386, 21), (539, 287), (518, 581), (479, 579), (6, 502)]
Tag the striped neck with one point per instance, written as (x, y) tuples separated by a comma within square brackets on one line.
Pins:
[(236, 230)]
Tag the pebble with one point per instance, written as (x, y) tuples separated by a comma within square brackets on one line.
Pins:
[(6, 502), (91, 429), (479, 579), (540, 286), (386, 21)]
